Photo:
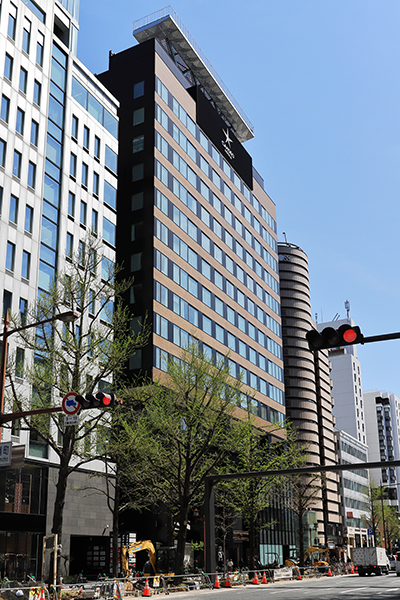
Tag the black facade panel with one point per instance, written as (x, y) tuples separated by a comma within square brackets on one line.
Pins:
[(223, 138), (125, 69)]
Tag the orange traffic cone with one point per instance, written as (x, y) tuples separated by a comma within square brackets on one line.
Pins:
[(255, 580), (356, 569), (216, 584), (329, 572), (146, 591), (345, 570), (42, 594), (264, 578), (352, 570), (227, 581)]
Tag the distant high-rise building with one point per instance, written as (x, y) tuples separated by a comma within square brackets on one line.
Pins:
[(308, 385), (382, 414)]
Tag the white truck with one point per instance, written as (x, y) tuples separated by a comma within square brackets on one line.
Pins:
[(371, 560)]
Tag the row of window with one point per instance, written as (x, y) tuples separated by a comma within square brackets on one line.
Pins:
[(360, 472), (212, 328), (353, 503), (13, 214), (180, 112), (110, 157), (180, 219), (353, 485), (188, 200), (25, 262), (353, 451), (109, 191), (191, 285), (26, 32), (161, 358), (23, 79), (109, 233), (232, 291), (183, 167), (94, 107), (17, 165)]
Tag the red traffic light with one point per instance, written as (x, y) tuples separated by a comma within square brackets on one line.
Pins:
[(100, 400), (345, 335)]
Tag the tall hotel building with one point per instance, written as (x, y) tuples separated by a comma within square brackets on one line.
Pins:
[(58, 180), (195, 226)]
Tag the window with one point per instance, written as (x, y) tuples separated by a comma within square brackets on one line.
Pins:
[(32, 175), (12, 21), (5, 109), (71, 204), (72, 167), (26, 36), (137, 144), (138, 89), (34, 133), (23, 78), (26, 264), (17, 164), (1, 199), (83, 213), (95, 221), (19, 126), (96, 147), (85, 174), (70, 245), (8, 67), (110, 195), (138, 116), (86, 137), (74, 127), (110, 159), (13, 209), (108, 231), (3, 148), (10, 256), (96, 183), (39, 49), (137, 172), (7, 301), (37, 92), (19, 362), (28, 218)]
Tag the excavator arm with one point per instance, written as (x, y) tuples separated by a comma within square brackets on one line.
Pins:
[(136, 547)]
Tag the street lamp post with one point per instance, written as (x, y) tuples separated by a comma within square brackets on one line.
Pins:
[(66, 317)]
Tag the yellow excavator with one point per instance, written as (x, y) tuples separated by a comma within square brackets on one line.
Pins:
[(159, 563), (292, 562)]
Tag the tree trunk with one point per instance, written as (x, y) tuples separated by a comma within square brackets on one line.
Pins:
[(61, 486), (301, 540), (116, 530), (180, 550)]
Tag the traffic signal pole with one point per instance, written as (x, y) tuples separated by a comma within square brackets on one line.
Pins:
[(381, 338)]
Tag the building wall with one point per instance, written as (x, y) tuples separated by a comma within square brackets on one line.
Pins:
[(59, 91)]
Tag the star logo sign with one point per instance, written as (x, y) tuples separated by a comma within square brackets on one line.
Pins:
[(227, 138)]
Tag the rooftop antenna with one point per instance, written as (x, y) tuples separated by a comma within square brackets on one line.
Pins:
[(284, 235), (347, 307), (316, 317)]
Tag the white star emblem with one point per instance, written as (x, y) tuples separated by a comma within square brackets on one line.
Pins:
[(227, 138)]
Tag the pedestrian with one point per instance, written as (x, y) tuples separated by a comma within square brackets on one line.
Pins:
[(230, 565)]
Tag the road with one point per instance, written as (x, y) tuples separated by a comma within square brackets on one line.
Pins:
[(326, 588)]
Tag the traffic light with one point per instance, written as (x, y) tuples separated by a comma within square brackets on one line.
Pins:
[(329, 337), (99, 400)]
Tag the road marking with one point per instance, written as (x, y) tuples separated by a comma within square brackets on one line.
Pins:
[(351, 590)]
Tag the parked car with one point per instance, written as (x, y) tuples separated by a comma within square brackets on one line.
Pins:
[(398, 564), (392, 560)]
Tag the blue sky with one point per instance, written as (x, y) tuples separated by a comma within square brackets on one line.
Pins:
[(320, 81)]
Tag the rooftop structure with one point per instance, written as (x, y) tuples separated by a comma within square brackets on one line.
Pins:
[(167, 28)]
